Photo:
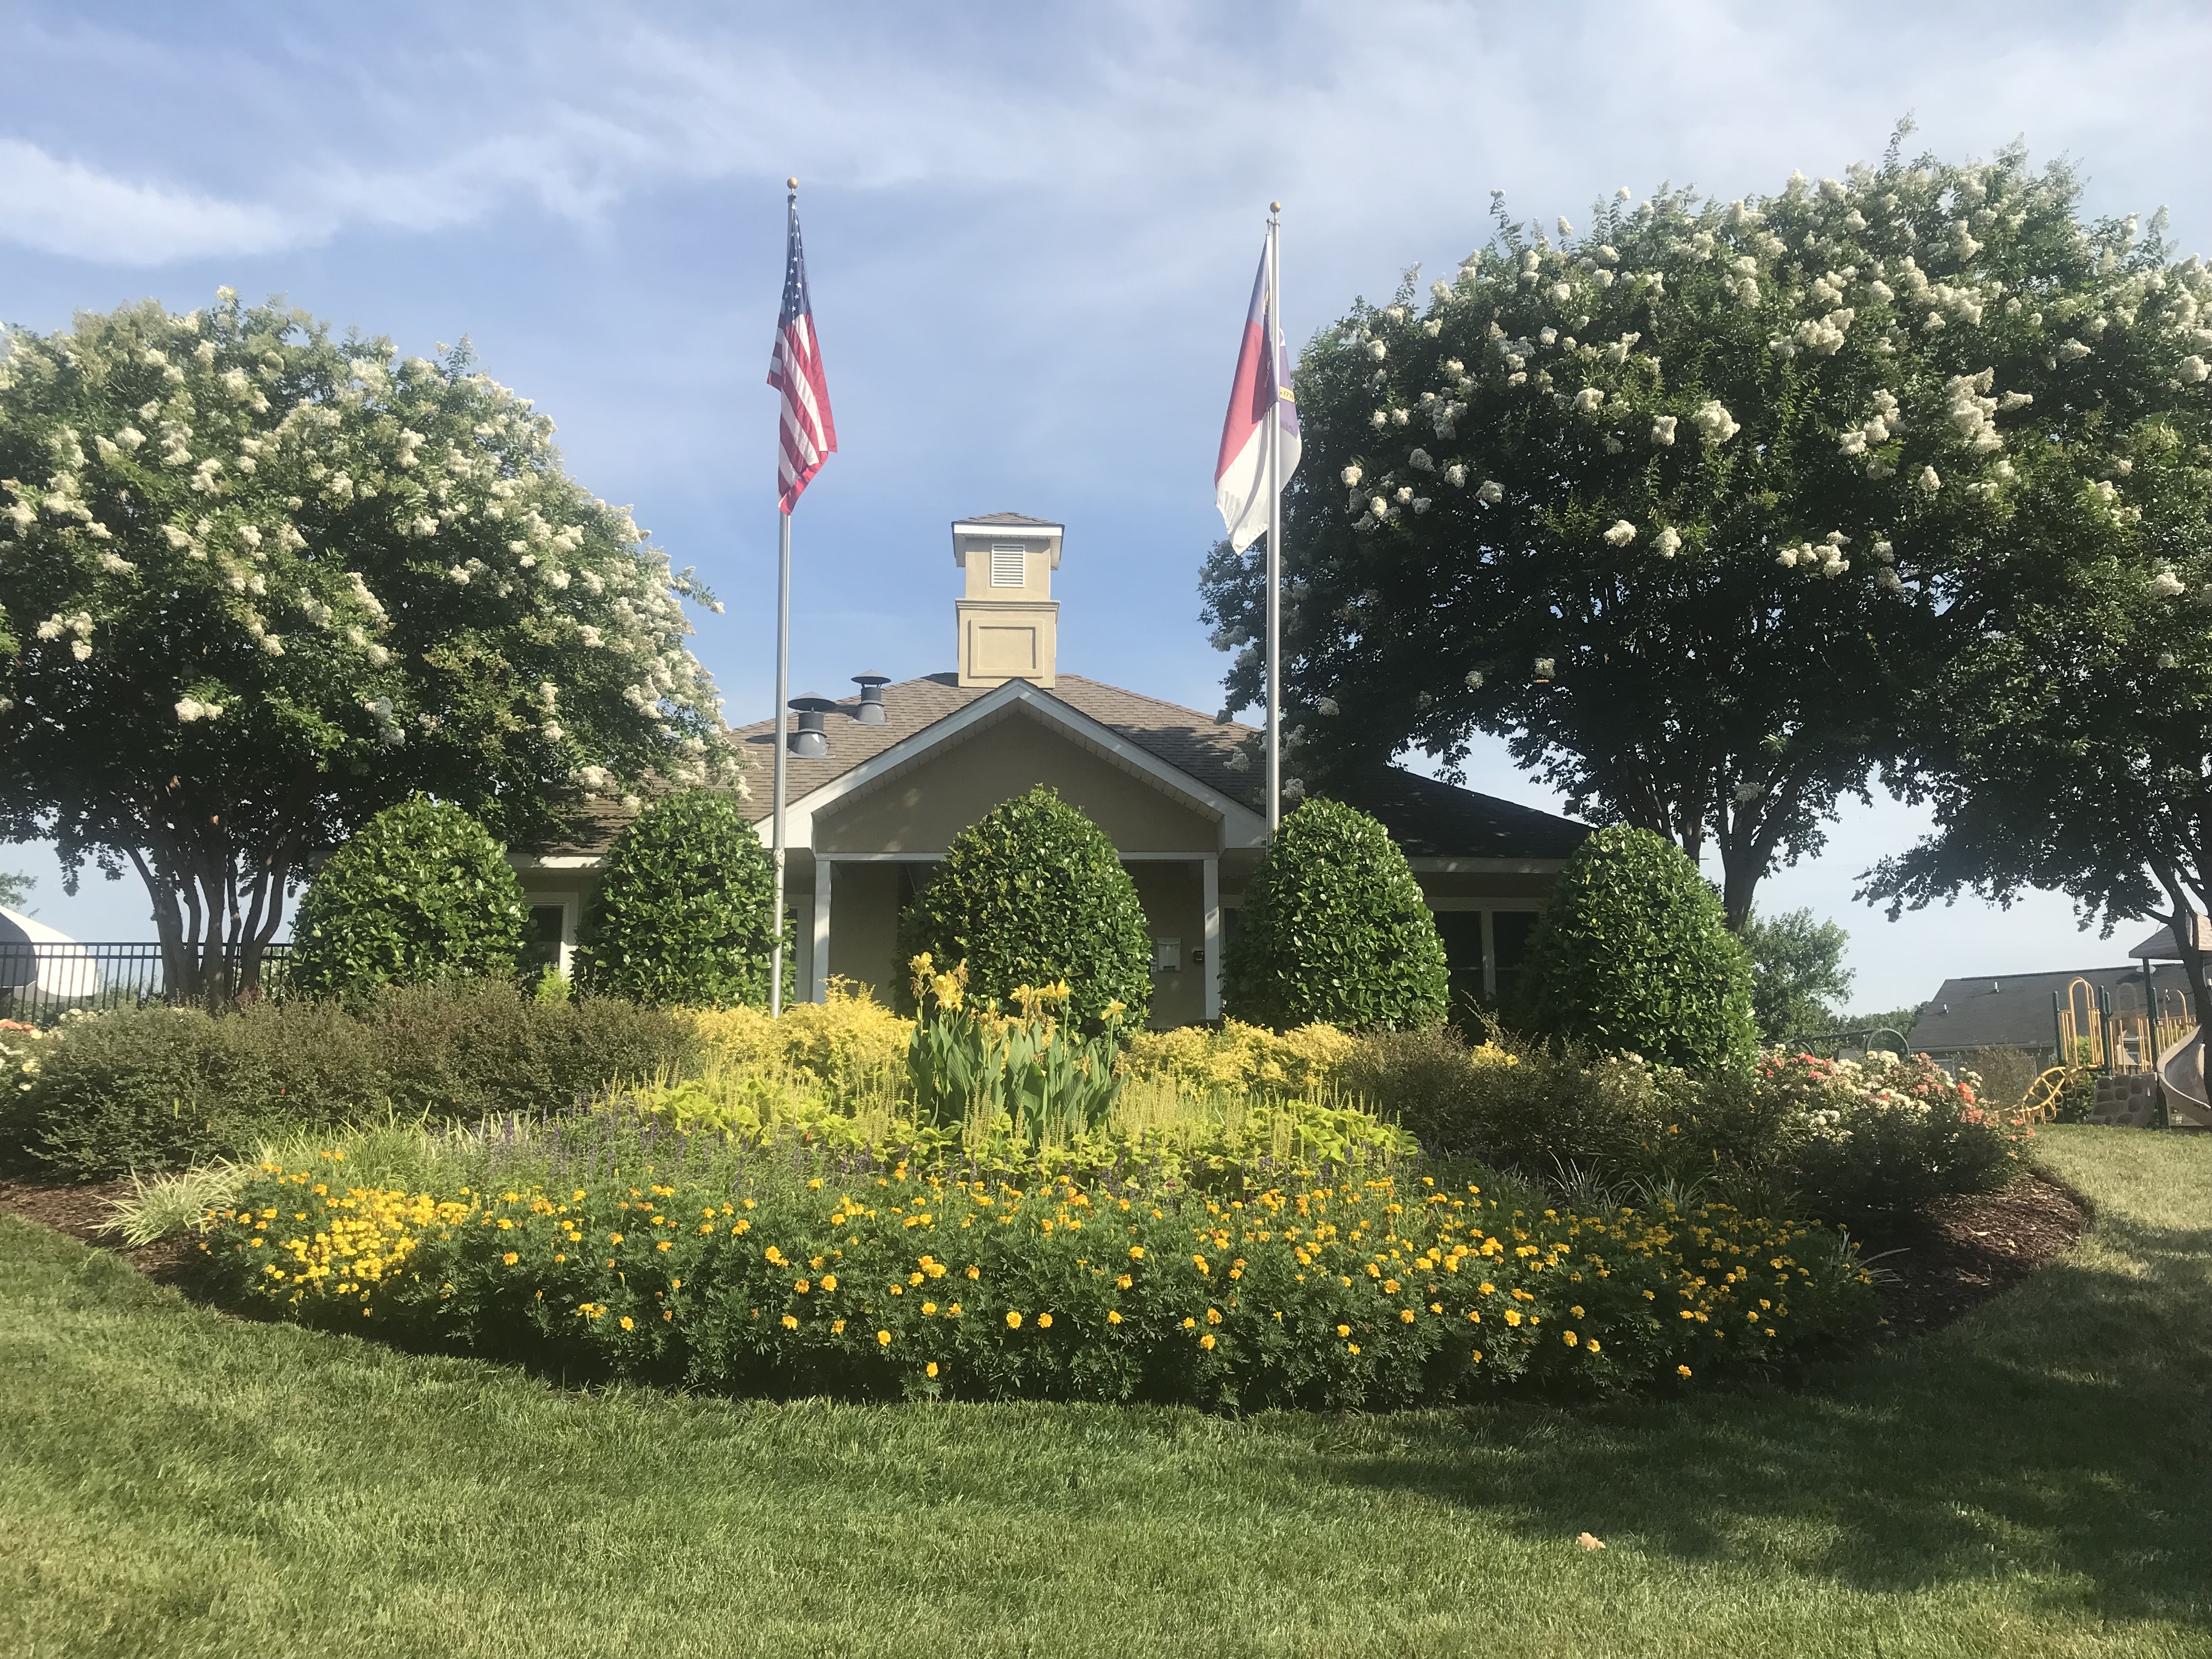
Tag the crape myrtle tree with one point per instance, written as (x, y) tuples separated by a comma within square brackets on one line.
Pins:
[(257, 583), (1685, 507), (2068, 746)]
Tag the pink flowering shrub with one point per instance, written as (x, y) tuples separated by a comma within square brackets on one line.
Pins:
[(1866, 1139)]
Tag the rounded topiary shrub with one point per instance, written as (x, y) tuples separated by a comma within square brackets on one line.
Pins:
[(1633, 955), (1032, 895), (682, 915), (1333, 927), (422, 892)]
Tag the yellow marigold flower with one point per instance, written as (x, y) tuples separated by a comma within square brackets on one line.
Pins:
[(1569, 1337), (628, 1323), (1577, 1312), (829, 1281), (801, 1287), (837, 1328), (1044, 1321), (953, 1312), (929, 1307), (1681, 1371), (1123, 1282), (1591, 1346), (974, 1273), (1513, 1316), (1352, 1347), (614, 1238), (1112, 1315), (1406, 1316), (1213, 1315), (510, 1258), (1014, 1320), (1207, 1342), (1136, 1253), (663, 1245), (1344, 1330), (790, 1322), (930, 1370), (884, 1337)]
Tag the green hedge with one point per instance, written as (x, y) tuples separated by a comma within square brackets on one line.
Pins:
[(1633, 955), (422, 892), (1032, 894), (158, 1088), (1335, 929), (682, 915)]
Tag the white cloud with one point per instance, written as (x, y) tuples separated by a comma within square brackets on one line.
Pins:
[(65, 207)]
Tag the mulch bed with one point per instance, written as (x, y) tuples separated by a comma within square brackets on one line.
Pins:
[(1959, 1252), (1945, 1262), (79, 1211)]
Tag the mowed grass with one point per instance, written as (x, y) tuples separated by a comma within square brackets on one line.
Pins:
[(2035, 1479)]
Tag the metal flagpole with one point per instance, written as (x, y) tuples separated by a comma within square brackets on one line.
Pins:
[(782, 747), (1274, 526), (783, 725)]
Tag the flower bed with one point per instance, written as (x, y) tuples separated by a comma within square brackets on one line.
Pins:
[(1349, 1292)]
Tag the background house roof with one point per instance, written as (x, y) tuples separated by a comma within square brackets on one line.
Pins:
[(1426, 816), (2012, 1011), (2160, 946)]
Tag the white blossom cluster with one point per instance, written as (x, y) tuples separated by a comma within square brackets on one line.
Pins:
[(248, 461)]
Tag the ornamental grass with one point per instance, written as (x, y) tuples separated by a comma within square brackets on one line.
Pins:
[(1333, 1288)]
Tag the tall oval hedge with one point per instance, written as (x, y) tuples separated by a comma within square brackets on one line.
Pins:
[(1031, 894), (1334, 927), (682, 911), (1633, 955), (422, 892)]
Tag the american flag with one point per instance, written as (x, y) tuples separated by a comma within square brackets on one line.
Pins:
[(808, 432)]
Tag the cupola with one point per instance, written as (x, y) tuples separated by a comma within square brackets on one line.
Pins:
[(1008, 620)]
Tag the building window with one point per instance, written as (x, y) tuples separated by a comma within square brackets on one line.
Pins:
[(542, 948), (1008, 568)]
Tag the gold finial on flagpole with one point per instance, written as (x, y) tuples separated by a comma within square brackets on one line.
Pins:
[(1275, 207), (792, 184)]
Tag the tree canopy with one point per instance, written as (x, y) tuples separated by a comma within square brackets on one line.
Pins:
[(1798, 980), (1686, 505), (257, 583)]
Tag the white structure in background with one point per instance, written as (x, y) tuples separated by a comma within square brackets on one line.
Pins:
[(34, 957)]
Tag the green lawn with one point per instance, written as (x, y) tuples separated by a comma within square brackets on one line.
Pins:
[(2036, 1480)]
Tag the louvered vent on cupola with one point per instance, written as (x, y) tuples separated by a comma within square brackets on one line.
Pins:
[(1009, 620)]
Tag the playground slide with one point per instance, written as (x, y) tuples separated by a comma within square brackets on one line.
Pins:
[(2181, 1071)]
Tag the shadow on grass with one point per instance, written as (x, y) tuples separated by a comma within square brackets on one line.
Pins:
[(2062, 1431)]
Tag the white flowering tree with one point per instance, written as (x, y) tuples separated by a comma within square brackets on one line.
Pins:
[(1689, 506), (256, 584)]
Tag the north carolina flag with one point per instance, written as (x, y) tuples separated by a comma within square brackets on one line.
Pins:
[(1263, 384)]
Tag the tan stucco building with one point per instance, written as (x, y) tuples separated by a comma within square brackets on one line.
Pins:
[(877, 794)]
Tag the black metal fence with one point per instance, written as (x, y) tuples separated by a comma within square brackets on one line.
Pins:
[(40, 983)]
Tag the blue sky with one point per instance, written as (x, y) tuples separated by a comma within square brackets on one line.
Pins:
[(1031, 232)]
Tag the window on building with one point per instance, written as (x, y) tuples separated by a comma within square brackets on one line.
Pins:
[(541, 947), (1007, 565), (1510, 933)]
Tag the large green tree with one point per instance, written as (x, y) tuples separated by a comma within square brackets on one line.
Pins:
[(1685, 505), (257, 583), (1798, 980), (2068, 745)]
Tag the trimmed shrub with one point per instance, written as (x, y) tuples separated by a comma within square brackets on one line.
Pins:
[(682, 911), (157, 1088), (1033, 895), (1335, 929), (1633, 955), (1201, 1060), (422, 892)]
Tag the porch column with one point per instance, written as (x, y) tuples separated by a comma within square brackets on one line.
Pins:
[(819, 991), (1210, 900)]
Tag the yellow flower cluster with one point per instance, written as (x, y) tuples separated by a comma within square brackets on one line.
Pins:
[(335, 1245)]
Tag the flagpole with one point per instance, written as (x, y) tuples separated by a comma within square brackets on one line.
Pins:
[(1274, 523), (782, 728)]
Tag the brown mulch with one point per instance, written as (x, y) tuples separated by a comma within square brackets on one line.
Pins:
[(79, 1211), (1941, 1265), (1959, 1252)]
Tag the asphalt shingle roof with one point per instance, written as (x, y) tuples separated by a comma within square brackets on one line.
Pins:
[(1427, 818), (2012, 1011)]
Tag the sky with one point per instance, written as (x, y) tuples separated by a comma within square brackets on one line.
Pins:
[(1030, 235)]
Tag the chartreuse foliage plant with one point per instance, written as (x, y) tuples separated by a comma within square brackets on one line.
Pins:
[(1033, 895), (1330, 1291), (258, 584), (422, 893), (682, 915), (1633, 955), (1335, 929), (1028, 1070)]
